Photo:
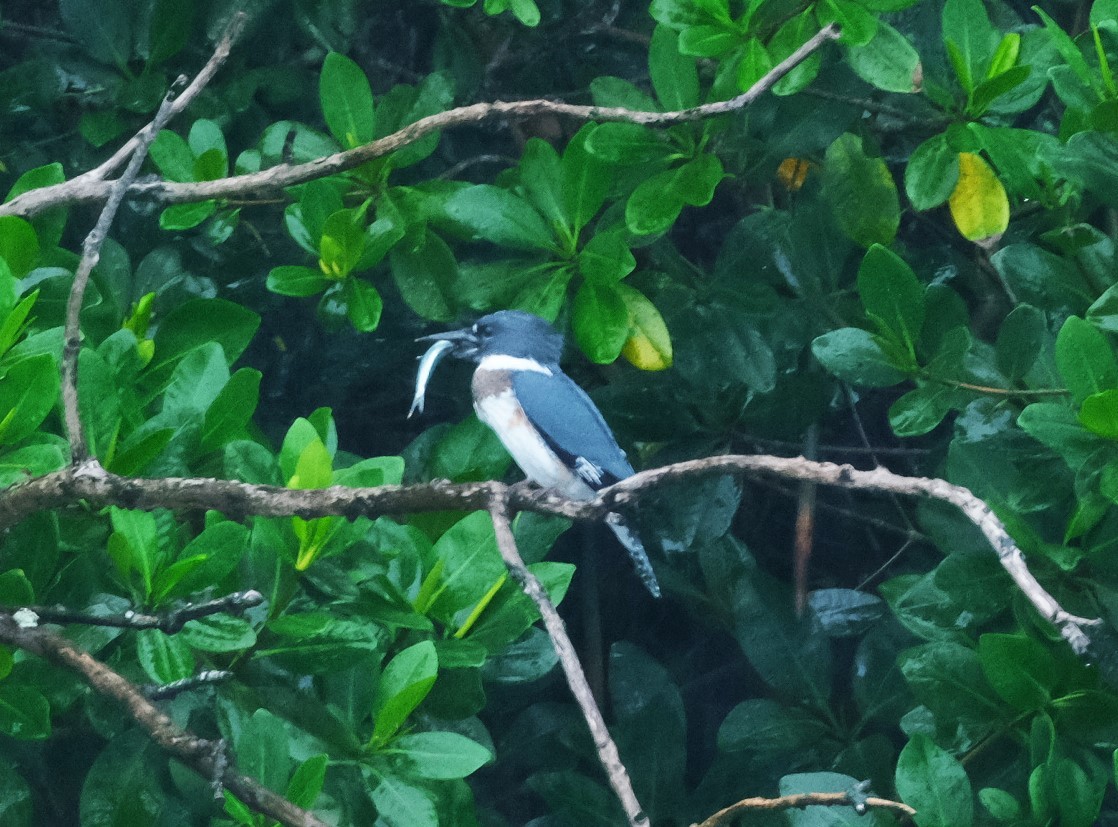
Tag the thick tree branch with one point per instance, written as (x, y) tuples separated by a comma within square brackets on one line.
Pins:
[(271, 181), (576, 679), (203, 756), (90, 482)]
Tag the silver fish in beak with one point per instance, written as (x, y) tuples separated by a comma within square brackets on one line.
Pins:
[(427, 363)]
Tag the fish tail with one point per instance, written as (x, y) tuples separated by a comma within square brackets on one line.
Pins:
[(635, 547)]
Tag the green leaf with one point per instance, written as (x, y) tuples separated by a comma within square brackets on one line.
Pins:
[(165, 658), (313, 468), (363, 304), (931, 173), (400, 804), (1099, 413), (606, 259), (855, 355), (675, 78), (968, 34), (293, 280), (657, 201), (888, 62), (231, 410), (172, 24), (788, 38), (600, 320), (197, 323), (920, 410), (426, 273), (1085, 359), (15, 590), (19, 245), (708, 41), (438, 755), (755, 64), (403, 685), (861, 192), (307, 781), (24, 712), (1019, 668), (649, 345), (347, 101), (102, 27), (585, 182), (627, 143), (935, 784), (496, 215), (979, 204), (27, 394), (343, 242), (857, 25), (186, 216), (218, 633), (1059, 428), (1020, 339), (541, 179), (170, 152), (892, 295), (263, 749), (30, 461)]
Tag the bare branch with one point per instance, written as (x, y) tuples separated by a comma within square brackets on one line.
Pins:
[(199, 754), (92, 483), (137, 147), (270, 181), (170, 622), (576, 679), (207, 677), (800, 800)]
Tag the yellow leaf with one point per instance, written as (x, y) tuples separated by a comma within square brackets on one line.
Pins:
[(649, 346), (979, 205), (792, 173)]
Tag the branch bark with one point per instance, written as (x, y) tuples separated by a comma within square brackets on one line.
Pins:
[(203, 756), (800, 800), (572, 668), (270, 182)]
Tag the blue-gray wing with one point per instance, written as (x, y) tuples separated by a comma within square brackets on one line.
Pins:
[(572, 426)]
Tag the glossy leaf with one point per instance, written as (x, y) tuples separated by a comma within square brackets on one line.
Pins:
[(347, 101), (979, 204)]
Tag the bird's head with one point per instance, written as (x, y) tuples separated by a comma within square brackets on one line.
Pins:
[(504, 333)]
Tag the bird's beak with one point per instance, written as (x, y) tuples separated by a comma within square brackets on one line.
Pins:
[(464, 342)]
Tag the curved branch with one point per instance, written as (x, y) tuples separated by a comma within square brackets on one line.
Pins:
[(207, 758), (800, 800), (271, 181)]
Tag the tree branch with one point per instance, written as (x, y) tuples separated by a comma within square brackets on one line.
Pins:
[(204, 757), (800, 800), (270, 181), (170, 622), (576, 679)]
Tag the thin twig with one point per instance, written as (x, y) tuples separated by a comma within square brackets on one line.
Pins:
[(199, 754), (576, 679), (207, 677), (800, 800), (272, 180), (169, 622)]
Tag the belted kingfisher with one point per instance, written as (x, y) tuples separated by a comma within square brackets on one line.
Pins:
[(547, 423)]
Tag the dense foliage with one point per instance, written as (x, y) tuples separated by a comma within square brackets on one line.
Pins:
[(905, 254)]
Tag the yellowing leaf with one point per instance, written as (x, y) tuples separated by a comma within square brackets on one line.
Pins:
[(792, 172), (649, 346), (979, 205)]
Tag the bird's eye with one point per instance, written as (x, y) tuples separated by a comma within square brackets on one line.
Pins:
[(482, 329)]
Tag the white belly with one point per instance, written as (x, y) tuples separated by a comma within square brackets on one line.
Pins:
[(504, 415)]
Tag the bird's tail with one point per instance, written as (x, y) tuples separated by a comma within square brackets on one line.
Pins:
[(635, 547)]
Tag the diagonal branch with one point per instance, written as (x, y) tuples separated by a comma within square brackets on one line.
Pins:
[(171, 622), (270, 181), (203, 756), (568, 659)]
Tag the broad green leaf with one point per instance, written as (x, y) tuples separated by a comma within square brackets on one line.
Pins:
[(755, 63), (103, 28), (426, 274), (979, 204), (1099, 413), (708, 41), (27, 394), (170, 152), (933, 782), (600, 320), (498, 216), (363, 304), (788, 38), (931, 173), (606, 259), (15, 590), (888, 62), (218, 633), (970, 37), (854, 355), (541, 178), (263, 749), (400, 804), (438, 755), (197, 323), (920, 410), (675, 78), (658, 200), (1085, 359), (19, 245), (186, 216), (858, 26), (347, 101), (1020, 669), (403, 685), (307, 781), (24, 712), (861, 192), (892, 295), (294, 280), (30, 461), (649, 345), (342, 243), (585, 182), (172, 24), (313, 469), (1058, 427), (1020, 339), (165, 658), (231, 410), (627, 143)]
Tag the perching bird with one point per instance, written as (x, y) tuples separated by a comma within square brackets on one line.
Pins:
[(549, 425)]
